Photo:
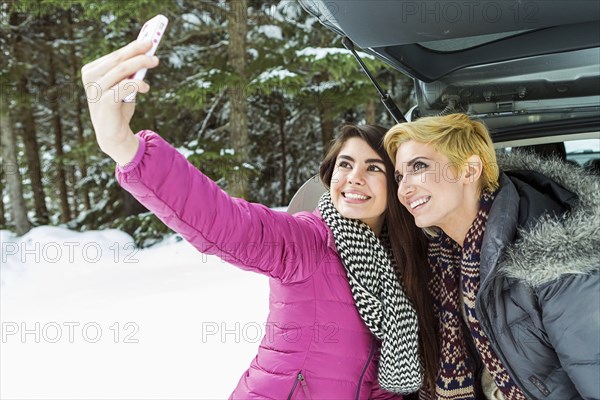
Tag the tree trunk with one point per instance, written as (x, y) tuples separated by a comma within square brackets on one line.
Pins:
[(325, 120), (370, 112), (23, 113), (238, 122), (61, 181), (2, 210), (327, 126), (71, 174), (130, 205), (26, 117), (283, 172), (75, 67), (11, 171)]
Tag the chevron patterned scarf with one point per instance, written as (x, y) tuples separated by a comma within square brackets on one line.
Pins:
[(379, 297), (455, 271)]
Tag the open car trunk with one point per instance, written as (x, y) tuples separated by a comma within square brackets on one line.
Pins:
[(530, 70), (517, 65)]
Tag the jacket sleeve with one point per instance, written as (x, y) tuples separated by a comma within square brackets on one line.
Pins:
[(571, 316), (248, 235)]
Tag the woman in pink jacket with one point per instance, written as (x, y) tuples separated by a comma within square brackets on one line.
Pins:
[(338, 311)]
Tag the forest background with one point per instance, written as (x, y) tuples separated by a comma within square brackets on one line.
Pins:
[(251, 92)]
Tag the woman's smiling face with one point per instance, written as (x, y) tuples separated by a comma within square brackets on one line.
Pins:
[(358, 184), (431, 188)]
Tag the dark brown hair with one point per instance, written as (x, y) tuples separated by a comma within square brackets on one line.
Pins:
[(409, 244)]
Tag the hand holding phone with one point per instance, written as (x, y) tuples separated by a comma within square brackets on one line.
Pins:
[(153, 30)]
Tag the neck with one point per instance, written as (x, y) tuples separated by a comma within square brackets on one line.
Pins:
[(458, 230), (376, 224), (376, 228)]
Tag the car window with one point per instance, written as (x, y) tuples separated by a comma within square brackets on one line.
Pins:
[(582, 151)]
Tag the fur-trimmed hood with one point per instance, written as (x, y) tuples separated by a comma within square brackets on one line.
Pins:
[(553, 245)]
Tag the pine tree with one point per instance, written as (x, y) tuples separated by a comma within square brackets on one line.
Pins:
[(297, 83)]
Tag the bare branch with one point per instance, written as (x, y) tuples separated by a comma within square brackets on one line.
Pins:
[(212, 109)]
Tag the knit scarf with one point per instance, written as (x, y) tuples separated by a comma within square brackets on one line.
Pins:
[(379, 297), (454, 271)]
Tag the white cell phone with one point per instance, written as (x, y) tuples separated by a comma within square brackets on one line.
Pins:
[(153, 29)]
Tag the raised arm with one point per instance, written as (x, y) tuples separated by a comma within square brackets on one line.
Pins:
[(249, 235)]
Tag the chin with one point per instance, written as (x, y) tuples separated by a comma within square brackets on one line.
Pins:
[(422, 223)]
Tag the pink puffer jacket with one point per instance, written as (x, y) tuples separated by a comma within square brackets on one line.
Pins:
[(316, 346)]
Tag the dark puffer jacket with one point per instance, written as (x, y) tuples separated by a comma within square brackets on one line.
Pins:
[(539, 302)]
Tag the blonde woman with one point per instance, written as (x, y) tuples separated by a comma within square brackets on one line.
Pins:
[(514, 255)]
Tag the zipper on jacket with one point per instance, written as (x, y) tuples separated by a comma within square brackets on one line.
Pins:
[(304, 385), (302, 381), (362, 375)]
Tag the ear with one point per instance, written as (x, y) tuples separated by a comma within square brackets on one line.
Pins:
[(473, 170)]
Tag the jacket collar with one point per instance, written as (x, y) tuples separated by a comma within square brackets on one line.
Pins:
[(501, 227), (541, 249)]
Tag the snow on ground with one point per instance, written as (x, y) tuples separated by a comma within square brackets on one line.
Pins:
[(89, 316)]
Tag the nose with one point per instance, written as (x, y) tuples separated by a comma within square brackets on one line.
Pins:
[(405, 188), (356, 177)]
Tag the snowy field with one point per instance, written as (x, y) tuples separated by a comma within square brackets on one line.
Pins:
[(88, 316)]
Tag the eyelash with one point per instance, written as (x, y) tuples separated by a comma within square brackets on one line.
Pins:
[(372, 167), (415, 169), (398, 177), (417, 166)]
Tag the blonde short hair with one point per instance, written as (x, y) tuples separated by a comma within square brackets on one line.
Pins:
[(456, 136)]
